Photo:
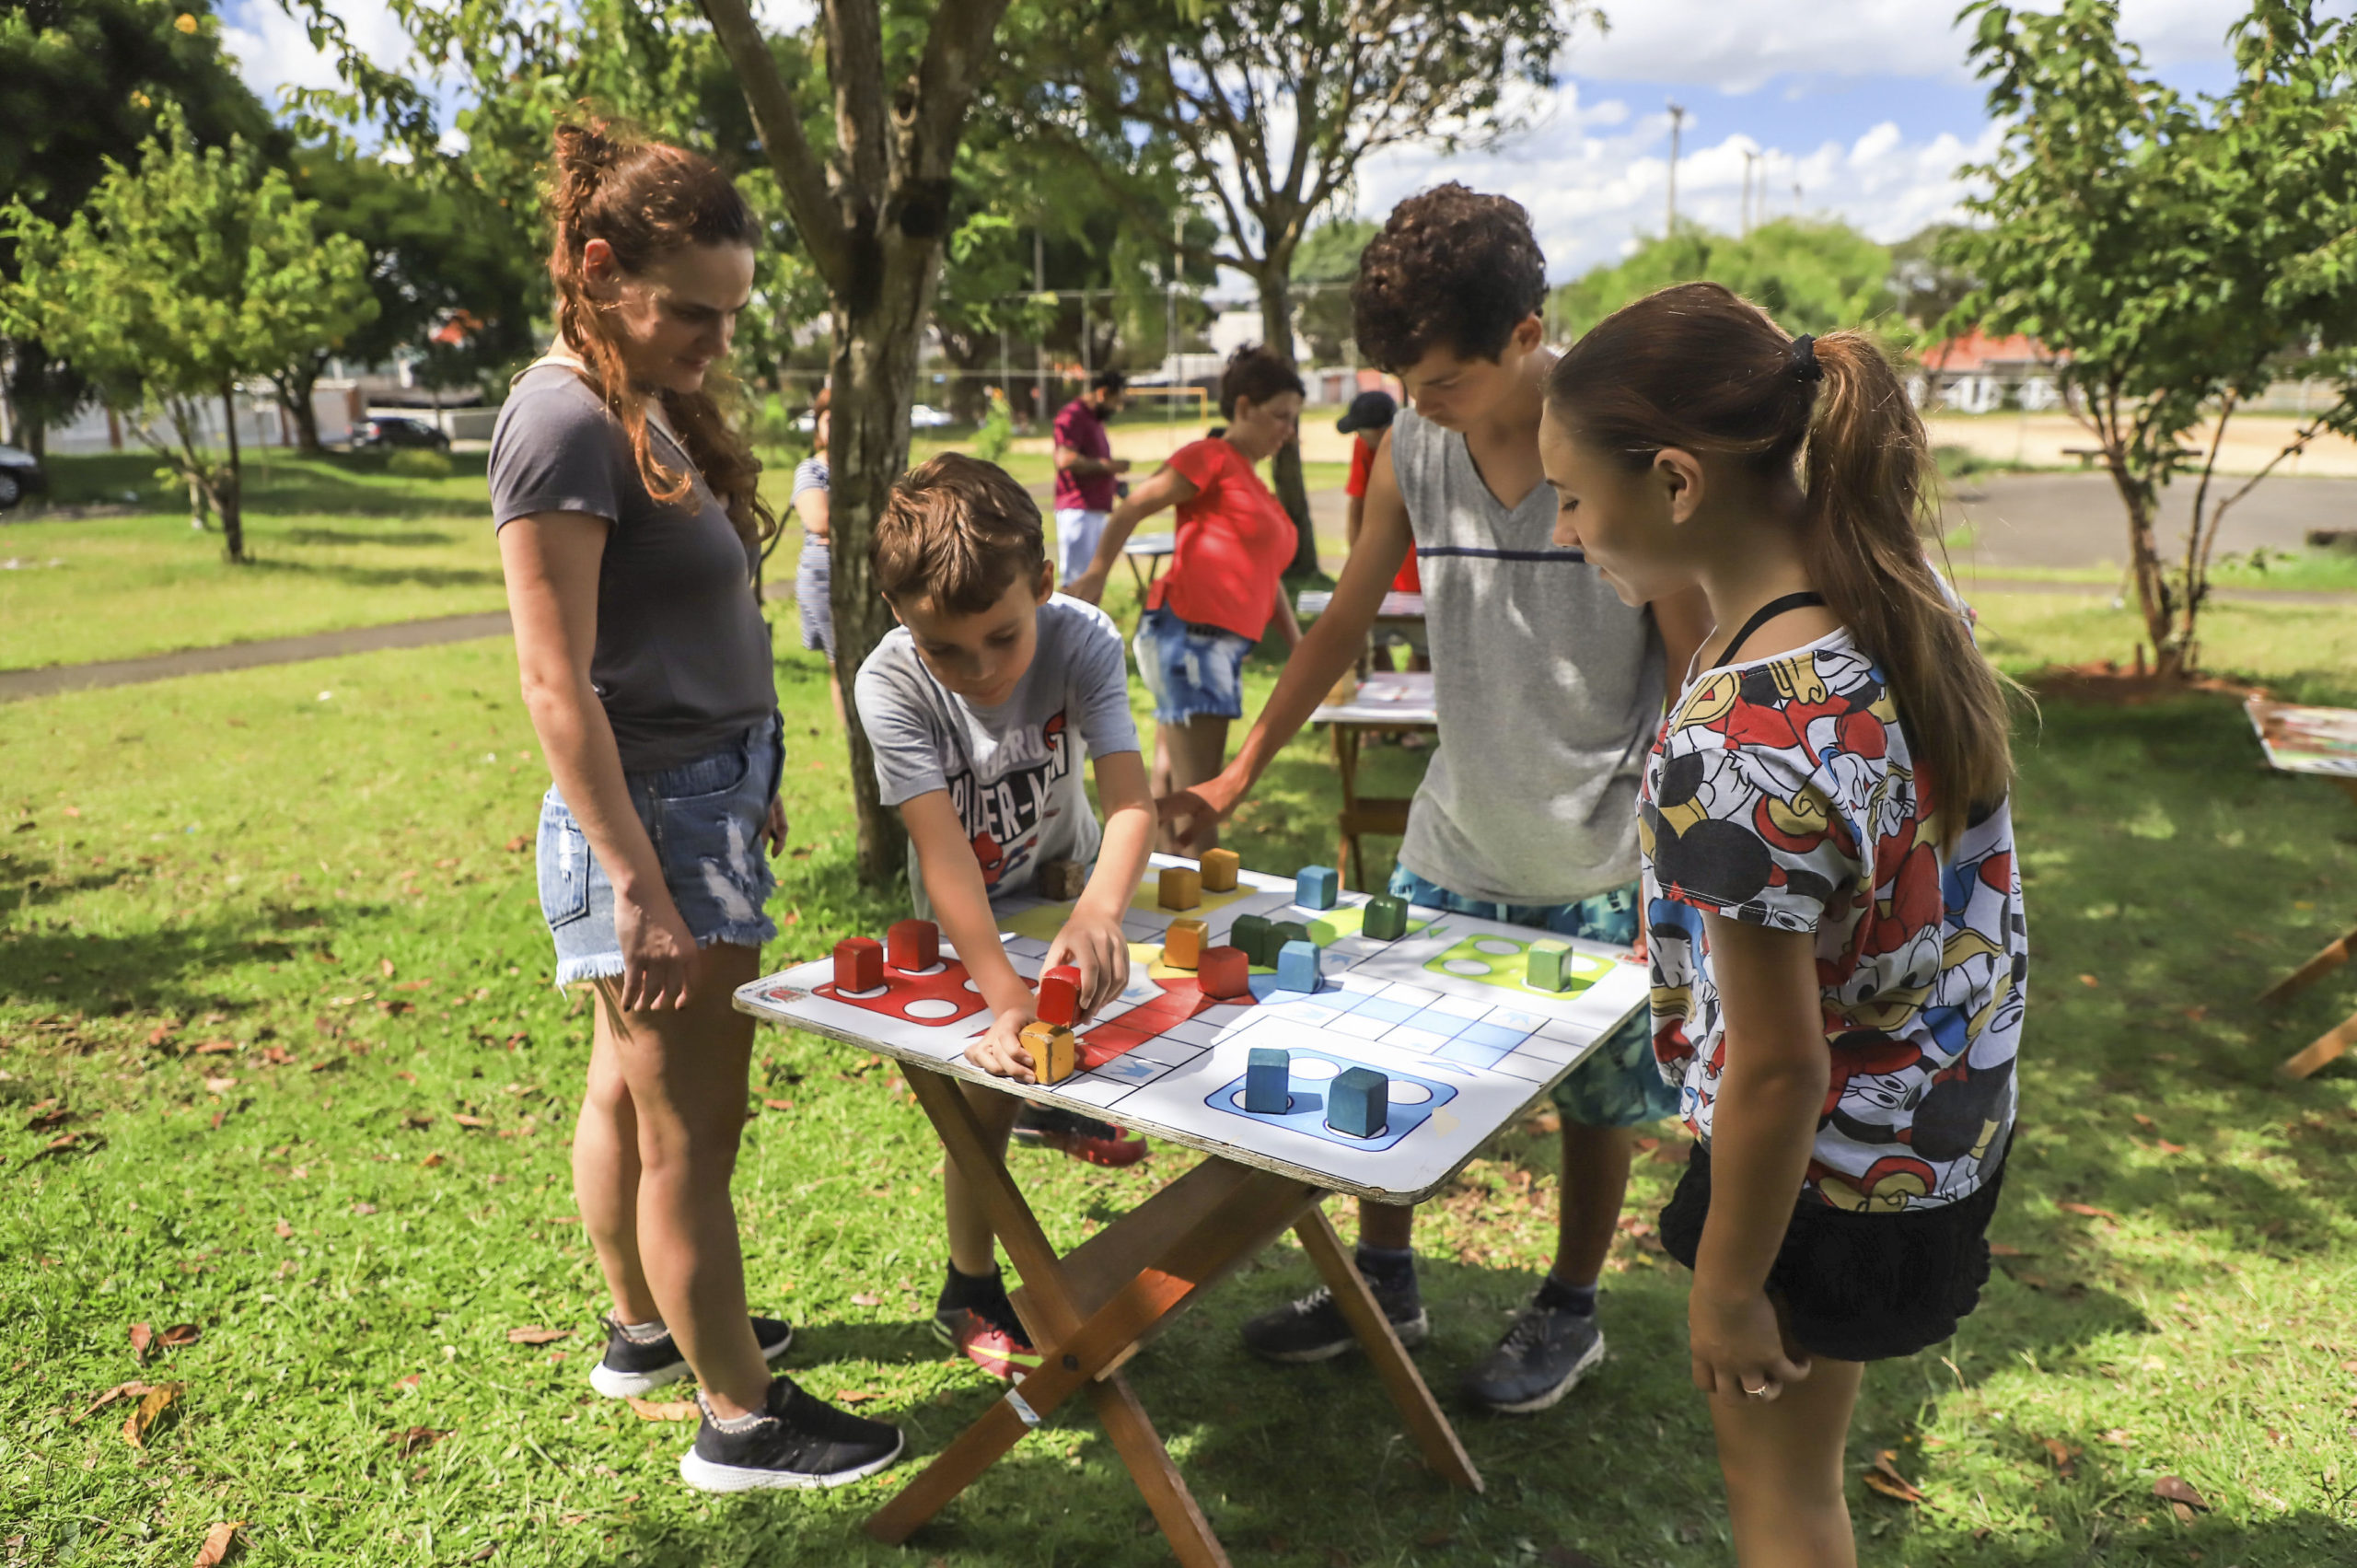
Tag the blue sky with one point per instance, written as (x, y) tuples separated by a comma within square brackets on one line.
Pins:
[(1866, 104)]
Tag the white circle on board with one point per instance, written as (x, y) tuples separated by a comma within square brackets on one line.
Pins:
[(931, 1008), (1314, 1068), (1406, 1091), (863, 995), (938, 967), (1497, 945), (1465, 966), (973, 987), (1237, 1099)]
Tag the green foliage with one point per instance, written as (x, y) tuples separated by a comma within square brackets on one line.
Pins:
[(1324, 267), (1812, 276), (996, 432), (419, 462)]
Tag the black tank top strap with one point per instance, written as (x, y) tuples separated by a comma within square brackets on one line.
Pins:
[(1763, 615)]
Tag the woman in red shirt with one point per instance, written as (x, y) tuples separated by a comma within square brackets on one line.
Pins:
[(1224, 581)]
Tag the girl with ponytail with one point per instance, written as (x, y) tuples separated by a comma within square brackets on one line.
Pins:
[(629, 525), (1833, 916)]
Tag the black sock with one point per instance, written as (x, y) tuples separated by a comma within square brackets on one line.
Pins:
[(1555, 1296), (970, 1290), (1388, 1268)]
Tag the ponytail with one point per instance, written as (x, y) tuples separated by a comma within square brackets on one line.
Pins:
[(646, 200), (1698, 368)]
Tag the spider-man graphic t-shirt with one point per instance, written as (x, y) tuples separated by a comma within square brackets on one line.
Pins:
[(1013, 771), (1780, 793)]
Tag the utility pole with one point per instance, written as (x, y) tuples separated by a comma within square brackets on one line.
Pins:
[(1177, 361), (1749, 161), (1038, 344), (1677, 129)]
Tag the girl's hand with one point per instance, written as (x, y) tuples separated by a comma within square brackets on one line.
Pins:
[(773, 826), (1739, 1347), (658, 953), (1000, 1051), (1096, 944), (1089, 586)]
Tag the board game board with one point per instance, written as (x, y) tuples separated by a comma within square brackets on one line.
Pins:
[(1443, 1012)]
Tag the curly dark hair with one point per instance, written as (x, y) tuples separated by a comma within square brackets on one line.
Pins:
[(1452, 268)]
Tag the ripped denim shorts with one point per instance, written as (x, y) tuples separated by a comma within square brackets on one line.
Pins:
[(1192, 671), (705, 820)]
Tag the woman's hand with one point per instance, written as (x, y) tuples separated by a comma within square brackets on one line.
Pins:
[(1089, 586), (773, 826), (1739, 1347), (1201, 809), (1000, 1051), (1096, 944), (658, 953)]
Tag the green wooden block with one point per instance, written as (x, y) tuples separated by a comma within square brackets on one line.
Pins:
[(1385, 918), (1252, 932), (1284, 931), (1548, 966)]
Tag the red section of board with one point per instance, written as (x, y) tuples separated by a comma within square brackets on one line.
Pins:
[(913, 945), (901, 990), (1060, 995), (859, 963), (1180, 1000)]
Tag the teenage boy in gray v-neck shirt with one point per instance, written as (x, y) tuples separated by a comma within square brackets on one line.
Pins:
[(1548, 690)]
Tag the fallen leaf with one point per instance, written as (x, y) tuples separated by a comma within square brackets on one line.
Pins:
[(219, 1086), (2174, 1488), (778, 1103), (1999, 1249), (864, 1299), (141, 1337), (518, 845), (2118, 1437), (430, 1161), (152, 1404), (653, 1409), (2168, 1148), (1898, 1490), (101, 1401), (2089, 981), (463, 1119), (2142, 1120), (533, 1334), (411, 1381), (285, 1232), (215, 1048), (482, 1556), (161, 1033), (2090, 1211), (1647, 1146), (181, 1334), (48, 1120), (2196, 1014), (417, 1438), (2064, 1456), (856, 1396), (276, 1056), (219, 1541), (385, 967), (567, 1521)]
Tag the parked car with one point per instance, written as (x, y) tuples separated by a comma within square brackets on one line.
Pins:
[(20, 475), (394, 430), (925, 416)]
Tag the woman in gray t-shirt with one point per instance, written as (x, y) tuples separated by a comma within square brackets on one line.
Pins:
[(629, 524)]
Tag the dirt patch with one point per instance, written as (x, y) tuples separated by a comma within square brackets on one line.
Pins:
[(80, 513), (2105, 682)]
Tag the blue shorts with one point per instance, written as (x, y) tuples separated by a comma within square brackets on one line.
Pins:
[(1194, 672), (1619, 1085), (705, 820), (813, 575)]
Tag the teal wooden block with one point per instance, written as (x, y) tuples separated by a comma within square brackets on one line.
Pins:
[(1548, 966), (1358, 1102), (1268, 1081), (1298, 965), (1385, 918), (1314, 887), (1250, 933)]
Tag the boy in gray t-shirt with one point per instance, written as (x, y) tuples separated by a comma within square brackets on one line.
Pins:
[(978, 706)]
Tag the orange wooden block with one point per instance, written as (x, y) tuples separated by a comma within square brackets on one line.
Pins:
[(1182, 945), (1219, 871), (1182, 887), (1054, 1053)]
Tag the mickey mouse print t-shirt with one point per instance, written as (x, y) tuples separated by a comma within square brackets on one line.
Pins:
[(1780, 793), (1013, 770)]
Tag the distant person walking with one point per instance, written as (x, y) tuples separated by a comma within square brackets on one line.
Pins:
[(629, 522), (813, 569), (1088, 473)]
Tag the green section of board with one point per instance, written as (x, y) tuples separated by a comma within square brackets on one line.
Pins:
[(1348, 920), (1501, 960)]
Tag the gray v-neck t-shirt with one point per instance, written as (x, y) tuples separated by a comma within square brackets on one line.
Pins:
[(1549, 690)]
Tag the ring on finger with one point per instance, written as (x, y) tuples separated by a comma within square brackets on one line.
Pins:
[(1761, 1392)]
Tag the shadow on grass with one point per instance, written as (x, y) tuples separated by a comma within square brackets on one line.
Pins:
[(408, 539), (384, 576)]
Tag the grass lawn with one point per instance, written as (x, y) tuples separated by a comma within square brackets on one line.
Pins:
[(264, 942)]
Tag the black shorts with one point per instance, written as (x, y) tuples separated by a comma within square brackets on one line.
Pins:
[(1860, 1287)]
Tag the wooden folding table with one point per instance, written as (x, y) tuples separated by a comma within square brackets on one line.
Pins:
[(1385, 701), (2322, 743)]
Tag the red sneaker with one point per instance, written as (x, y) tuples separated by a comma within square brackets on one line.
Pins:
[(1000, 1350), (1080, 1137)]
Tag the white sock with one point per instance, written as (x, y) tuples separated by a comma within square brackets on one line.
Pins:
[(644, 1333)]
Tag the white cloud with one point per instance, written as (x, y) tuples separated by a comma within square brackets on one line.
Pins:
[(274, 51), (1738, 45), (1595, 179)]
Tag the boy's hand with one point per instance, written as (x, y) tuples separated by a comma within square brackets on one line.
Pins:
[(1739, 1347), (1000, 1051), (1096, 944), (1088, 585)]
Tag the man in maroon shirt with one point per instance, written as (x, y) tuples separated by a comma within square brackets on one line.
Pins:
[(1086, 472)]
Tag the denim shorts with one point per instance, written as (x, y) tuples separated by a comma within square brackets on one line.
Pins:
[(1194, 672), (705, 820), (1619, 1085), (813, 576)]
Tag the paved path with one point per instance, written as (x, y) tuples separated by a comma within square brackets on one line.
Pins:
[(53, 679)]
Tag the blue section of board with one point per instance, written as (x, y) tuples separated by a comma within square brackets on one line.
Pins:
[(1307, 1113), (1357, 1103)]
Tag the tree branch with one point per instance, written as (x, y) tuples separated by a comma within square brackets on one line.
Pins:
[(801, 176), (948, 77), (856, 71)]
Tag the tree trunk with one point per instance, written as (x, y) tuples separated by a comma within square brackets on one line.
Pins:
[(229, 498), (1292, 491), (2153, 598), (294, 387)]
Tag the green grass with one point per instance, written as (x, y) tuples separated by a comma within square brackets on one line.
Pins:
[(2308, 571), (238, 858)]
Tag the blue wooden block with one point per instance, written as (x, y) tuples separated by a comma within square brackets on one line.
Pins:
[(1268, 1082), (1314, 887), (1358, 1102), (1298, 967)]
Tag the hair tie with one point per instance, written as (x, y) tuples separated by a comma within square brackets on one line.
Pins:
[(1803, 358)]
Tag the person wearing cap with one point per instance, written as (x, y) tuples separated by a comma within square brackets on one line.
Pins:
[(1367, 418), (1087, 472)]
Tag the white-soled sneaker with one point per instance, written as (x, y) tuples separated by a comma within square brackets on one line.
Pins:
[(795, 1443), (632, 1367)]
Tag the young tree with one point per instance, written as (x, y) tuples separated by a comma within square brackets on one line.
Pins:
[(2172, 253), (1270, 107), (1812, 276), (1323, 271), (179, 279)]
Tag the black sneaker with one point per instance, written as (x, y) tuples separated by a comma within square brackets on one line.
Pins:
[(1546, 1352), (797, 1442), (629, 1367), (1313, 1328), (1082, 1137)]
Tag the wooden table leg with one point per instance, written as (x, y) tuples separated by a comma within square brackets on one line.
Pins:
[(2334, 1042), (1348, 860), (1431, 1429), (2331, 956)]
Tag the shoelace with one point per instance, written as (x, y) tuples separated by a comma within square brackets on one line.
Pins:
[(999, 1313), (1528, 1331), (1314, 1303)]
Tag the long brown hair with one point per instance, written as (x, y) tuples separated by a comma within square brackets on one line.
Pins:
[(647, 200), (1698, 368)]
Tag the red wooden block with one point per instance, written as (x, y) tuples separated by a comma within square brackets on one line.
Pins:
[(859, 964), (1060, 995), (1225, 972), (914, 944)]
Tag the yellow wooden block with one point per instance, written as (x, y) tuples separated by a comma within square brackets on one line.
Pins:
[(1053, 1054), (1182, 945), (1182, 887), (1219, 871)]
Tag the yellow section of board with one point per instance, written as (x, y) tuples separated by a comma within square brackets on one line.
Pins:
[(1044, 920)]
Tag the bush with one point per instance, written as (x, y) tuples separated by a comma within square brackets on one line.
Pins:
[(419, 462), (996, 432)]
